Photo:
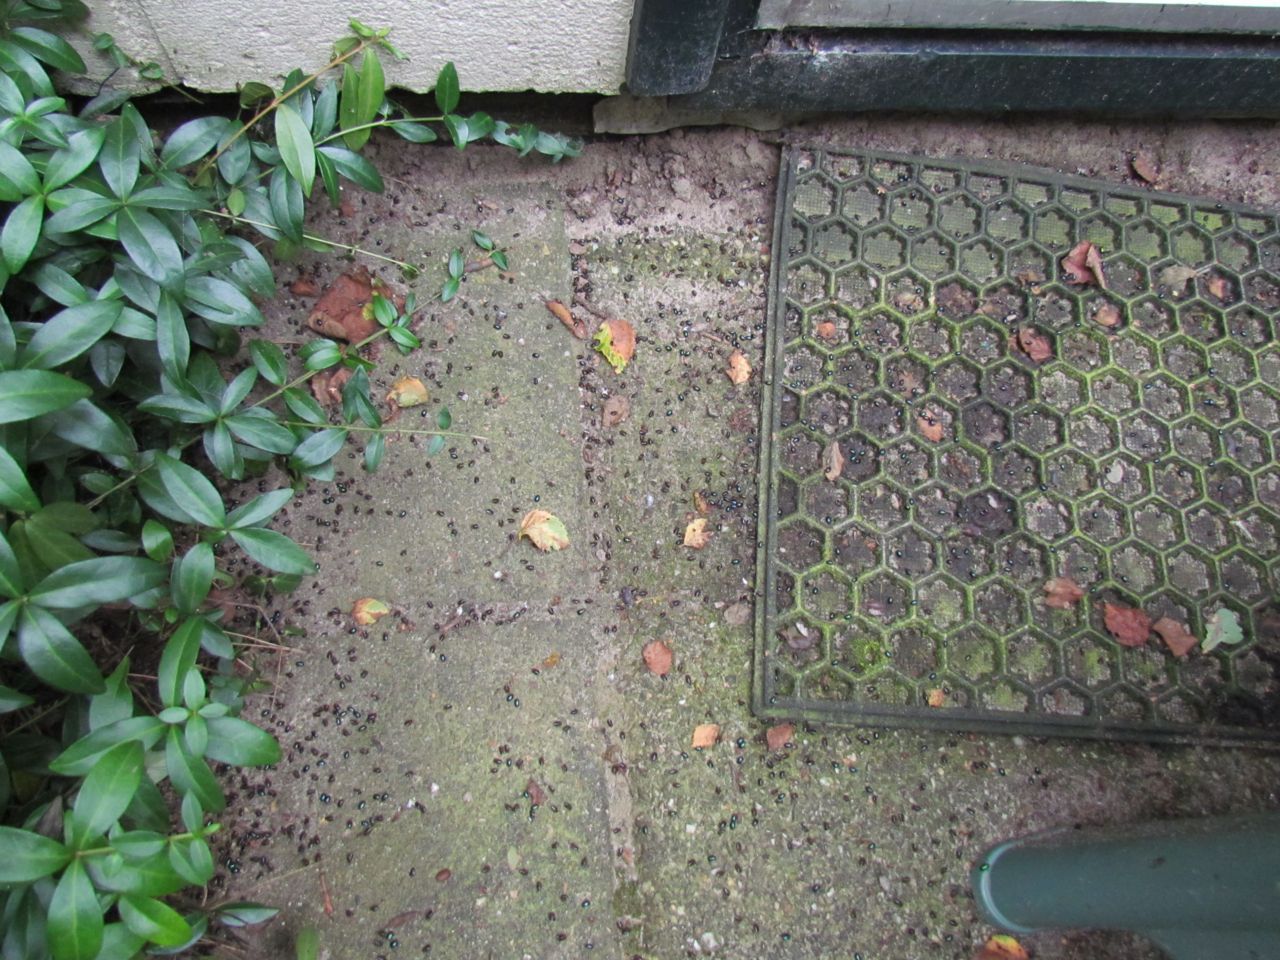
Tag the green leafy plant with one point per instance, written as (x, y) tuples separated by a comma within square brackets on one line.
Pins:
[(130, 272)]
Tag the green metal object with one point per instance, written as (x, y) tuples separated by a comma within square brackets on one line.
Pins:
[(1202, 889), (998, 426)]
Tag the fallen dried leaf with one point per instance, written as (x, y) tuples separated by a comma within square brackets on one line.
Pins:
[(1084, 265), (551, 660), (705, 735), (546, 531), (562, 313), (700, 503), (658, 658), (1002, 947), (1175, 277), (696, 534), (832, 461), (931, 427), (956, 301), (369, 610), (936, 697), (1034, 344), (616, 342), (616, 410), (407, 392), (1224, 627), (738, 614), (826, 330), (304, 287), (1175, 636), (909, 302), (739, 369), (1145, 167), (326, 386), (1062, 593), (344, 310), (1218, 286), (442, 876), (1108, 314), (1128, 625), (779, 735), (537, 795)]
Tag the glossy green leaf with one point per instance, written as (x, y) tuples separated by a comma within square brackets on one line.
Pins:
[(15, 490), (284, 195), (169, 196), (80, 214), (319, 448), (404, 338), (192, 859), (273, 550), (372, 86), (259, 428), (75, 918), (354, 167), (54, 655), (48, 47), (28, 856), (329, 177), (157, 540), (349, 108), (325, 114), (11, 700), (151, 246), (236, 157), (243, 913), (297, 150), (115, 702), (304, 406), (58, 285), (88, 426), (413, 132), (15, 59), (148, 877), (435, 445), (154, 921), (192, 580), (191, 491), (374, 451), (96, 581), (447, 90), (18, 178), (239, 742), (53, 548), (180, 407), (79, 758), (173, 341), (11, 579), (444, 419), (30, 393), (73, 159), (270, 361), (192, 140), (307, 944), (69, 333), (254, 92), (21, 231), (138, 844), (191, 775), (120, 158), (449, 289), (105, 793)]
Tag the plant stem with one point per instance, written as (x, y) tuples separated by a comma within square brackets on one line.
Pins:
[(333, 244), (365, 42), (392, 430), (385, 122)]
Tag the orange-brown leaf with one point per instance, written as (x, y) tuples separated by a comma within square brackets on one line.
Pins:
[(537, 795), (931, 427), (1062, 593), (624, 338), (700, 502), (1175, 635), (1108, 315), (1002, 947), (368, 610), (779, 735), (341, 312), (407, 392), (326, 386), (826, 330), (832, 461), (546, 531), (1128, 625), (1034, 344), (705, 735), (303, 287), (565, 316), (658, 657), (739, 368), (1145, 167), (1218, 286), (696, 534), (936, 697), (1083, 265)]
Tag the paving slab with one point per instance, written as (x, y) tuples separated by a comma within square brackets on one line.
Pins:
[(845, 843)]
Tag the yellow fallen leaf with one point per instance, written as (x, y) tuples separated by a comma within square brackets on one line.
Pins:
[(1002, 947), (832, 461), (369, 610), (705, 735), (408, 392), (739, 369), (546, 531), (937, 697), (696, 534)]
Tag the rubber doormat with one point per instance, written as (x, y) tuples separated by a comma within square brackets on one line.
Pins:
[(966, 433)]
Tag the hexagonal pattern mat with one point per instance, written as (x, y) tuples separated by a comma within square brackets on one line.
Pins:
[(952, 424)]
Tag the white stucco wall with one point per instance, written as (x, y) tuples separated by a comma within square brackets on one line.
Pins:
[(556, 46)]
